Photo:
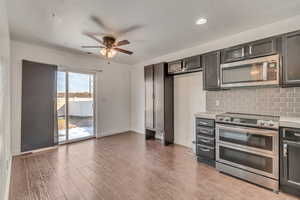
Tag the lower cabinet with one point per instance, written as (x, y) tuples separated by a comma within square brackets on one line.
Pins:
[(205, 140), (290, 161)]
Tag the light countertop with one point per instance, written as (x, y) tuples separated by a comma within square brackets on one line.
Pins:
[(208, 115), (292, 122)]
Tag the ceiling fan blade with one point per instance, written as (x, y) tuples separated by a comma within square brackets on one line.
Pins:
[(92, 47), (123, 42), (129, 29), (95, 33), (123, 51), (98, 21), (94, 37)]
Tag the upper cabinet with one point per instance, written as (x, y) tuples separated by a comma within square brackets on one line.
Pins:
[(262, 47), (192, 63), (211, 69), (185, 65), (291, 60), (175, 67), (250, 50), (233, 54)]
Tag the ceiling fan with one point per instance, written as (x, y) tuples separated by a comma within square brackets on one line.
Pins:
[(108, 44)]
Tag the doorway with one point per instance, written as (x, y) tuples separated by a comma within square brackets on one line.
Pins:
[(75, 106)]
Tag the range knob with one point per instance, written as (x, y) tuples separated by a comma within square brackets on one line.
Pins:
[(270, 123), (220, 118), (261, 123), (227, 119)]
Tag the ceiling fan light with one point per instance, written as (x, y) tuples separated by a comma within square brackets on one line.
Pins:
[(107, 52)]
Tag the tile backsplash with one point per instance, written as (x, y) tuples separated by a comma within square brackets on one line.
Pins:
[(266, 101)]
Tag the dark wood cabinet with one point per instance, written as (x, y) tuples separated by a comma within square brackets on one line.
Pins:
[(233, 54), (290, 161), (262, 48), (149, 97), (250, 50), (175, 67), (186, 65), (291, 60), (159, 118), (192, 63), (211, 70)]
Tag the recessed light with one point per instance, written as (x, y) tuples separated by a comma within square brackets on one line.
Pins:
[(201, 21)]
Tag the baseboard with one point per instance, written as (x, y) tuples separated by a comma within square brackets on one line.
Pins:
[(115, 132), (6, 194), (140, 131)]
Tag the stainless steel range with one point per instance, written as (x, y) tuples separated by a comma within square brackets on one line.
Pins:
[(247, 147)]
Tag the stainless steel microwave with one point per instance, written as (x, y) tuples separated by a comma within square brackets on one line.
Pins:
[(251, 72)]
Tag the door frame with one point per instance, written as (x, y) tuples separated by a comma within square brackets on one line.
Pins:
[(67, 71)]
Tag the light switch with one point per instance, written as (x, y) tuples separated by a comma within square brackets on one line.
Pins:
[(217, 102)]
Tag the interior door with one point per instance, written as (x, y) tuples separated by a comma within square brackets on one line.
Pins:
[(38, 105)]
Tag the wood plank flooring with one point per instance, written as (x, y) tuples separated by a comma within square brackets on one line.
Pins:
[(125, 167)]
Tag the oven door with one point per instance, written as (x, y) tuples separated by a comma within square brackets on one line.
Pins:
[(262, 140), (259, 163), (252, 72), (253, 149)]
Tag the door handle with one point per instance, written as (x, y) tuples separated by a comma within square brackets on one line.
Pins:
[(285, 151)]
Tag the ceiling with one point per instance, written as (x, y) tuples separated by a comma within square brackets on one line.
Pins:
[(167, 25)]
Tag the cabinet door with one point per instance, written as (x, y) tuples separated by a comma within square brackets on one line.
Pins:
[(192, 63), (291, 162), (159, 74), (149, 101), (175, 67), (291, 59), (211, 64), (233, 54), (262, 48)]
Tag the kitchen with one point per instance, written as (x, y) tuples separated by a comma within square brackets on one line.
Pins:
[(250, 129), (152, 100)]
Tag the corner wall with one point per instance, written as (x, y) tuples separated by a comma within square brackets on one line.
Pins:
[(5, 152), (113, 87)]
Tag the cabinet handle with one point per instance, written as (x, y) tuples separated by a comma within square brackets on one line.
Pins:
[(205, 141), (250, 49), (203, 123), (285, 150), (243, 51), (297, 134), (203, 149), (204, 131)]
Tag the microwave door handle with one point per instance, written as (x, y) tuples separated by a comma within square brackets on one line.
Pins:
[(265, 71)]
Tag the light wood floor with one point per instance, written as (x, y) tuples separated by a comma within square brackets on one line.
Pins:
[(125, 167)]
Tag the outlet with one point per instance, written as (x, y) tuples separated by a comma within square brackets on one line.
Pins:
[(217, 102)]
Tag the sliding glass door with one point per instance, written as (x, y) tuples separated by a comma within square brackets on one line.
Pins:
[(75, 106)]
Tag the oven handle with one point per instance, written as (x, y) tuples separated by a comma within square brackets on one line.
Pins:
[(248, 130)]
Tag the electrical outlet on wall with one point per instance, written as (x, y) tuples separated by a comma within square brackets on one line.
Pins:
[(217, 102)]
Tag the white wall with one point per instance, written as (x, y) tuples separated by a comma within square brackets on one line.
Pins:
[(113, 87), (189, 98), (137, 73), (5, 155)]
